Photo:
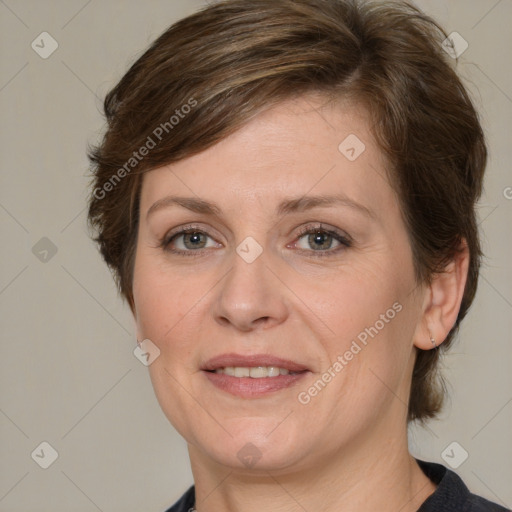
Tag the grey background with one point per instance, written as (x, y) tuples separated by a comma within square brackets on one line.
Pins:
[(68, 373)]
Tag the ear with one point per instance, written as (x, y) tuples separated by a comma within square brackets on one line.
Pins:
[(442, 301)]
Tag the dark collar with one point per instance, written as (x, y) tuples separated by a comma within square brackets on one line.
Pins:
[(451, 494)]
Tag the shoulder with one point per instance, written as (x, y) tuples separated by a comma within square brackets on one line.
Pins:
[(185, 503), (451, 494)]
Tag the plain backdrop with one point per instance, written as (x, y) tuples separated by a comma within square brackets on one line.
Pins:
[(68, 373)]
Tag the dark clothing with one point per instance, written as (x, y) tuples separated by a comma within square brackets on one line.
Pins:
[(451, 494)]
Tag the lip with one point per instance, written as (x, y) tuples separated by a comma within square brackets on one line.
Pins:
[(252, 360), (247, 387)]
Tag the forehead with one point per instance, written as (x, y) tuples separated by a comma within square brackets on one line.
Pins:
[(301, 146)]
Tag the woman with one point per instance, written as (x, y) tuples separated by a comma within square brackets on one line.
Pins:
[(286, 195)]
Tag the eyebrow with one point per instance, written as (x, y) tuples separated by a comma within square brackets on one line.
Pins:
[(289, 205)]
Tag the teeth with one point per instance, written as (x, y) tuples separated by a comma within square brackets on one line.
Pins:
[(257, 372), (242, 372)]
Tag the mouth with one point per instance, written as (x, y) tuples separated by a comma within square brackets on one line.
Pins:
[(252, 376), (253, 372)]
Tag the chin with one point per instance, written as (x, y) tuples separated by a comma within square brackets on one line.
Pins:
[(255, 444)]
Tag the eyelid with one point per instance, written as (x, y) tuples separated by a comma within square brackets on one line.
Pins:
[(345, 241), (183, 230), (318, 226), (180, 231), (342, 237)]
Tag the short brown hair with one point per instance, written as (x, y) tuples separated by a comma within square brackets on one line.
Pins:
[(213, 71)]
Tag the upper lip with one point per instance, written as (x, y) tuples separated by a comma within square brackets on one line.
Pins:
[(250, 361)]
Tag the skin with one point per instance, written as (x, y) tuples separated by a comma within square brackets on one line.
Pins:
[(346, 448)]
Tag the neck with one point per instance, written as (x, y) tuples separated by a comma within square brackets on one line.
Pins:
[(363, 476)]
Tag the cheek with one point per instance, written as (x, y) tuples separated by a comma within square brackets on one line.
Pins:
[(350, 301), (168, 306), (155, 302), (370, 317), (162, 301)]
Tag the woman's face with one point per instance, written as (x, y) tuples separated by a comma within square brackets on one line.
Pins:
[(268, 276)]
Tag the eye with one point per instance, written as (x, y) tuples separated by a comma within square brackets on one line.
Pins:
[(191, 241), (322, 240), (187, 241)]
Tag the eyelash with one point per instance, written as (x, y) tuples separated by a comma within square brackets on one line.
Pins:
[(343, 239)]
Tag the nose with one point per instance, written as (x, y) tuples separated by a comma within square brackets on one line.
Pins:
[(251, 296)]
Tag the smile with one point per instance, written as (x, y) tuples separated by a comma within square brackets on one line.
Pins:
[(256, 372)]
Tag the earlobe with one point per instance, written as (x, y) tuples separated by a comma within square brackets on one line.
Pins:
[(432, 340), (443, 300)]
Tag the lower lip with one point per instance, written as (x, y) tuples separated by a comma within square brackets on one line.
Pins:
[(247, 387)]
